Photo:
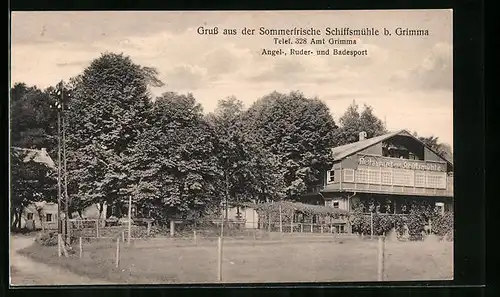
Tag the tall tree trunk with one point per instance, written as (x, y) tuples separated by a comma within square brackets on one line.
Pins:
[(19, 215), (13, 218), (101, 208)]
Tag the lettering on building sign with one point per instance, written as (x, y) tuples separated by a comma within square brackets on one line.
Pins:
[(403, 164)]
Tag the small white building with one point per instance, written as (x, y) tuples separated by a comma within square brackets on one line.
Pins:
[(44, 214), (246, 214)]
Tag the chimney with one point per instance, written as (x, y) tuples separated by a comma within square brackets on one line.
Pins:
[(362, 135)]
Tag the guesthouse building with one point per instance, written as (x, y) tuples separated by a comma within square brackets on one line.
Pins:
[(389, 171)]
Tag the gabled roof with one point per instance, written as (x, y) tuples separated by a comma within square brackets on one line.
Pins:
[(38, 156), (347, 150)]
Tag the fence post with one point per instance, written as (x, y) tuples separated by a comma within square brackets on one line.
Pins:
[(149, 228), (194, 235), (301, 227), (331, 228), (381, 256), (81, 246), (291, 224), (371, 225), (59, 245), (321, 228), (123, 235), (97, 228), (312, 226), (219, 260), (269, 223), (281, 220), (129, 219), (172, 228), (117, 252)]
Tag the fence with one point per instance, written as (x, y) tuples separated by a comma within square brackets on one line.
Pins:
[(275, 257)]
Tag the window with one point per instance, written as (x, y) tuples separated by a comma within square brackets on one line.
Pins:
[(440, 207), (374, 176), (49, 217), (368, 176), (419, 179), (335, 204), (330, 176), (386, 176), (402, 177), (436, 180), (30, 216), (362, 175), (349, 175)]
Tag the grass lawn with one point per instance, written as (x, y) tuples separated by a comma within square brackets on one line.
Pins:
[(329, 260)]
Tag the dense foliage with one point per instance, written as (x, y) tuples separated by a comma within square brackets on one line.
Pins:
[(108, 112), (352, 122), (299, 132), (31, 181), (411, 223), (33, 123), (175, 159)]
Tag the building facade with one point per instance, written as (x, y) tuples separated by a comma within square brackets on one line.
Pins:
[(390, 171)]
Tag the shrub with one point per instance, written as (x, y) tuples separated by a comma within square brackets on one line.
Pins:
[(48, 238), (442, 225)]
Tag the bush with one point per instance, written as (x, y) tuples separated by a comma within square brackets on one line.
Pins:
[(48, 238), (442, 225)]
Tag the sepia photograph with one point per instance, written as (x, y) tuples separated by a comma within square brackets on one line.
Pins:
[(230, 147)]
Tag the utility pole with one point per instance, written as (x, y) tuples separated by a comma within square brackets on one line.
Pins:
[(59, 219), (66, 198), (62, 201)]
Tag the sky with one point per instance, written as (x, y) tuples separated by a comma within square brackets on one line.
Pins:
[(408, 80)]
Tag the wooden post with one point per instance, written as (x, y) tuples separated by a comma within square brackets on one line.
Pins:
[(194, 235), (59, 245), (321, 228), (312, 226), (117, 252), (281, 220), (381, 256), (172, 228), (371, 225), (301, 227), (253, 218), (149, 228), (97, 228), (123, 235), (291, 224), (81, 246), (269, 223), (129, 219), (219, 260), (430, 226)]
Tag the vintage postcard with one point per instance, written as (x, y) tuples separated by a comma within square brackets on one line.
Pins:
[(194, 147)]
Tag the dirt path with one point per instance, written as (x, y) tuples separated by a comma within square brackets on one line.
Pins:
[(25, 272)]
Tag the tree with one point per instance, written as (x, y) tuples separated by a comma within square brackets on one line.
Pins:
[(31, 181), (297, 130), (33, 123), (175, 159), (248, 171), (442, 149), (107, 114), (352, 122)]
